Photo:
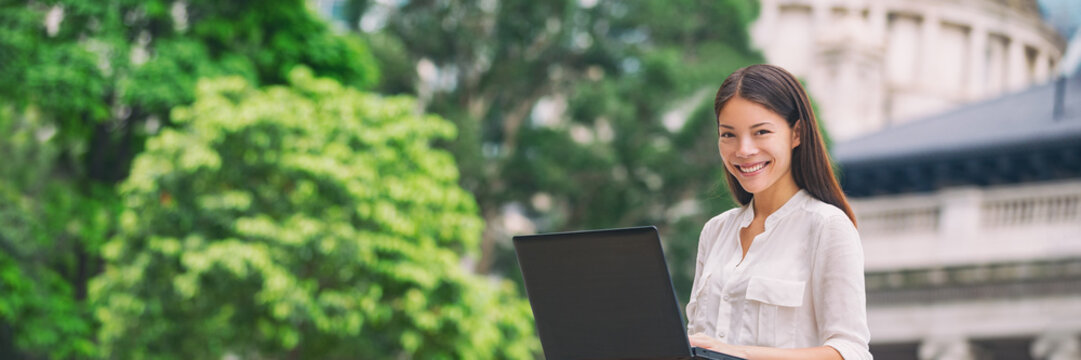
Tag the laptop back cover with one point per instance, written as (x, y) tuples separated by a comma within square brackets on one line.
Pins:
[(602, 294)]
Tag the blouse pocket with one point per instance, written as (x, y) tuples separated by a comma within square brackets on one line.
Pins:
[(777, 303)]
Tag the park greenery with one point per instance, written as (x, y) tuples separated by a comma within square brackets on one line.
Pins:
[(636, 141), (326, 208), (201, 179)]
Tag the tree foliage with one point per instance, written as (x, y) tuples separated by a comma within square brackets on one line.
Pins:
[(82, 85), (40, 308), (632, 140), (104, 68), (277, 214), (310, 220)]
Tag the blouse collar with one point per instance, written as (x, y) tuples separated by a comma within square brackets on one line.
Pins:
[(794, 202)]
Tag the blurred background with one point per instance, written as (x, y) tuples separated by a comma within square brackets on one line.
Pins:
[(341, 178)]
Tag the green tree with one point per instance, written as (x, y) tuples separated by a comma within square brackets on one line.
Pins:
[(37, 307), (311, 220), (82, 84), (619, 69)]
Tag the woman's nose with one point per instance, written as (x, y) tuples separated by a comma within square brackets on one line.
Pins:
[(747, 148)]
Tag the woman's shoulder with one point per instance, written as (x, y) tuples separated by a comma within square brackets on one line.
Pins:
[(831, 224), (825, 214), (727, 215), (718, 222), (713, 228)]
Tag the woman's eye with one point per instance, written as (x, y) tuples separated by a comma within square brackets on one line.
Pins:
[(726, 135), (761, 132)]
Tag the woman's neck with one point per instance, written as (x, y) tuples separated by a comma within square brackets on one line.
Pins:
[(769, 200)]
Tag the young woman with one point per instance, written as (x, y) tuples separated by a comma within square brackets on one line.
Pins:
[(782, 276)]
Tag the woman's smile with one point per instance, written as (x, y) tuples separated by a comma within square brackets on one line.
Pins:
[(756, 145), (752, 169)]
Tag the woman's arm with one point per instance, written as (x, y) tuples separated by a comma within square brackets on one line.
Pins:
[(765, 353), (839, 295)]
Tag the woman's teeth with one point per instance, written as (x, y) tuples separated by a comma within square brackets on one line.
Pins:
[(752, 168)]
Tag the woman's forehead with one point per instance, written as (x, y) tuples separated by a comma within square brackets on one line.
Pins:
[(740, 112)]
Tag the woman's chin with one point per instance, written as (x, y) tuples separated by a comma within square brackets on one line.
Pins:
[(752, 190), (752, 186)]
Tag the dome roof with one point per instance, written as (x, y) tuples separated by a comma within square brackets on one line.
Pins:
[(1025, 6)]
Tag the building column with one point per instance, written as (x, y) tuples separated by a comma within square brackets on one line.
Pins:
[(763, 28), (1015, 63), (977, 62), (1043, 70), (928, 68), (1058, 346), (950, 348), (820, 15), (878, 19)]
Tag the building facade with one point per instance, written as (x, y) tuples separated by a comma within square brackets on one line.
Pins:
[(871, 64), (962, 159), (971, 225)]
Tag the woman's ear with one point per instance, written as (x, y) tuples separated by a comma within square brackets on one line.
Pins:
[(795, 133)]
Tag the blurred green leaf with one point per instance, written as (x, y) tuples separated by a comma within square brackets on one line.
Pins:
[(310, 219)]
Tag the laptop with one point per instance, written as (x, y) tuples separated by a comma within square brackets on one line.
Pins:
[(604, 294)]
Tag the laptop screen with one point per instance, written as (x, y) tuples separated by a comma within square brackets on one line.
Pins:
[(602, 294)]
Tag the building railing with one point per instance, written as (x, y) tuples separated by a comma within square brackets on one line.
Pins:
[(980, 209), (901, 220), (1029, 210)]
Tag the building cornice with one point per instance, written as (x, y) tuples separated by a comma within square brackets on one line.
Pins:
[(981, 281)]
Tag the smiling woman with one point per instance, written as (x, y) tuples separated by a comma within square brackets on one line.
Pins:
[(781, 276), (756, 145)]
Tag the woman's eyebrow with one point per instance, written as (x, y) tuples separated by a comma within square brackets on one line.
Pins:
[(752, 126)]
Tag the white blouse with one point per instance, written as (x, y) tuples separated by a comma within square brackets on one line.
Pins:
[(800, 285)]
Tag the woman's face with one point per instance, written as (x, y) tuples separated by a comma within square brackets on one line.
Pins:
[(755, 144)]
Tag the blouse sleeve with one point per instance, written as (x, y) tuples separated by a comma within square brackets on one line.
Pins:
[(840, 296), (705, 243)]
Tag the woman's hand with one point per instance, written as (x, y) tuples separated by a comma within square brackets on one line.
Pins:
[(704, 341), (763, 353)]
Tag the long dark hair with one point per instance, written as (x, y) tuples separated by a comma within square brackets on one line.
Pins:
[(777, 90)]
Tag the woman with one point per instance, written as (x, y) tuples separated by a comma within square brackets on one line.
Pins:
[(782, 276)]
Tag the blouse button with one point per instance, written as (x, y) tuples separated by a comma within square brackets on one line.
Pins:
[(721, 335), (726, 298)]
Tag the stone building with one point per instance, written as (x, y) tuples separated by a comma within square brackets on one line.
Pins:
[(871, 64), (962, 159), (971, 225)]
